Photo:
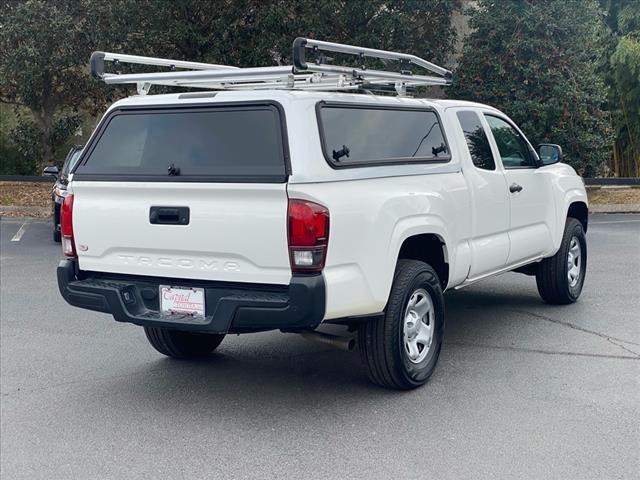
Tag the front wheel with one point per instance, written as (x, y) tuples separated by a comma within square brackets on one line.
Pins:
[(182, 345), (560, 278), (401, 348)]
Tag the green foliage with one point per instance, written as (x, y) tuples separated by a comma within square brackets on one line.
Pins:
[(420, 27), (260, 32), (27, 139), (624, 82), (45, 45), (542, 62), (629, 19), (12, 162), (25, 135), (38, 46), (44, 48), (537, 62), (625, 62)]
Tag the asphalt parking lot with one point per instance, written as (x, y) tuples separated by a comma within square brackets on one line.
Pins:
[(523, 389)]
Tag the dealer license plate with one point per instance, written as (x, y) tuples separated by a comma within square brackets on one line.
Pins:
[(182, 300)]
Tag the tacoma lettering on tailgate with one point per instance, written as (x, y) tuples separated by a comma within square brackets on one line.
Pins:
[(186, 263)]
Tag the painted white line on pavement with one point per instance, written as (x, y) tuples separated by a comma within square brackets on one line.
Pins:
[(19, 233)]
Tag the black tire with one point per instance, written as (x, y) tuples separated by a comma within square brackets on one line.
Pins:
[(381, 340), (182, 345), (552, 276), (57, 234)]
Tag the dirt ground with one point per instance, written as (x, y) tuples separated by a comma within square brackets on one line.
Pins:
[(36, 197), (601, 196), (25, 194)]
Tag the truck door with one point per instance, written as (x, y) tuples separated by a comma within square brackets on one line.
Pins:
[(529, 190), (489, 198)]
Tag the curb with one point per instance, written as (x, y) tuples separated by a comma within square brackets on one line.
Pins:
[(23, 219), (27, 211), (615, 208)]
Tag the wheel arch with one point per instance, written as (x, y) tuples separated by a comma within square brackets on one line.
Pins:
[(430, 248), (580, 211), (572, 202)]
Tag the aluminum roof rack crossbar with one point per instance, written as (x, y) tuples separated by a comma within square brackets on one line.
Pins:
[(303, 75), (300, 44)]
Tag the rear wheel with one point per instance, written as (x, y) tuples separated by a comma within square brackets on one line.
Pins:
[(401, 348), (182, 345), (560, 278)]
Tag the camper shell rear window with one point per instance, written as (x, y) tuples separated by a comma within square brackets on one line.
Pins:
[(355, 135), (213, 143)]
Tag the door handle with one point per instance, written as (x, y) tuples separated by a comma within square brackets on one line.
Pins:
[(514, 188)]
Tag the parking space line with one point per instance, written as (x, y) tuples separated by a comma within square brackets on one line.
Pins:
[(19, 233)]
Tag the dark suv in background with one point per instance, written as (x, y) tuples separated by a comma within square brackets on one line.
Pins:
[(60, 187)]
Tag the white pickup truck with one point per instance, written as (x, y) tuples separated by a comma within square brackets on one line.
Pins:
[(246, 209)]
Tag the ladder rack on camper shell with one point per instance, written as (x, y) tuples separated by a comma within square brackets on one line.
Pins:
[(303, 75)]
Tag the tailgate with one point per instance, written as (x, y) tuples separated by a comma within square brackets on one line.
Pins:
[(236, 232), (222, 168)]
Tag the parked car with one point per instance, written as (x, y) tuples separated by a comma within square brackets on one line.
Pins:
[(195, 215), (59, 190)]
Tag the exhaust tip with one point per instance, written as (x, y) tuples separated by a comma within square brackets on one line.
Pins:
[(351, 344), (342, 343)]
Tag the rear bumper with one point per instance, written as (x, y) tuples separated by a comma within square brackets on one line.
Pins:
[(230, 307)]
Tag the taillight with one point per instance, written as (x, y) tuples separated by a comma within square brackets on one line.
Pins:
[(308, 236), (66, 227)]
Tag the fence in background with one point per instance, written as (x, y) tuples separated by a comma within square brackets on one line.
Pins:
[(612, 181), (26, 178)]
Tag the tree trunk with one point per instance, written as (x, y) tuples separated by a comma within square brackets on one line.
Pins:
[(44, 121)]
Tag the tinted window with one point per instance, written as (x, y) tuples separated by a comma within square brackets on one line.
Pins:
[(513, 148), (219, 142), (477, 141), (354, 135)]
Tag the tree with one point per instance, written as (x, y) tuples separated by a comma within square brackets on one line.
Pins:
[(538, 62), (45, 45), (12, 160), (44, 49), (421, 27), (623, 79), (260, 32)]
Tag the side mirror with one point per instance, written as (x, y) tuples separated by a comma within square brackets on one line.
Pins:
[(549, 153), (51, 171)]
